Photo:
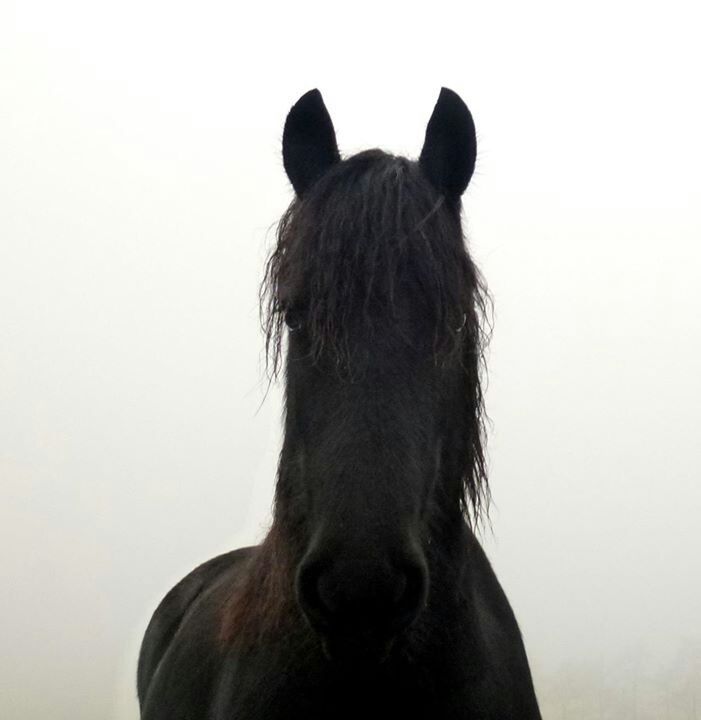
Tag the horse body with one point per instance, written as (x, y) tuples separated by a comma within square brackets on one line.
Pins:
[(371, 596), (469, 664)]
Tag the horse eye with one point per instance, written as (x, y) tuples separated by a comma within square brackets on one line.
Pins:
[(462, 324), (292, 320)]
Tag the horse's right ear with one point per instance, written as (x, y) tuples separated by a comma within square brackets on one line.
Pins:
[(308, 142)]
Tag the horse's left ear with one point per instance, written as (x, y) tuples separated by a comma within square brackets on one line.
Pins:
[(308, 142), (450, 148)]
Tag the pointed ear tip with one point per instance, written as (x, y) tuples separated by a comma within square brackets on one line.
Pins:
[(448, 95), (309, 97), (310, 102)]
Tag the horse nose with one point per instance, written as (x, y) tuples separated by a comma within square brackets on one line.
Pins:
[(353, 594)]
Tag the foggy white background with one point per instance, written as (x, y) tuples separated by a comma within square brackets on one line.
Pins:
[(140, 177)]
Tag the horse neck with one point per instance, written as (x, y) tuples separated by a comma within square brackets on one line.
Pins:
[(447, 548), (264, 601)]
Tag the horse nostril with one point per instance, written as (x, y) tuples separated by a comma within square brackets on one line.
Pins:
[(339, 597), (308, 595), (413, 597)]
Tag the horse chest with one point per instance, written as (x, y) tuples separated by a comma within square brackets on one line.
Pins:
[(266, 689)]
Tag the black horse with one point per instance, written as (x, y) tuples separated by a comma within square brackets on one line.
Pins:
[(370, 597)]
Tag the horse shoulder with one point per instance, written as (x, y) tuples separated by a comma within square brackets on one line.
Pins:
[(504, 653), (171, 611)]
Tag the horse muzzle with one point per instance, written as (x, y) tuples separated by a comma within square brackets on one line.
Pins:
[(360, 601)]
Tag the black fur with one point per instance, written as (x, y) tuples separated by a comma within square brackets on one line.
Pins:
[(450, 148), (308, 142), (370, 597)]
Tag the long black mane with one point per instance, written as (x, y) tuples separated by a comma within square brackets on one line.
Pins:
[(369, 225)]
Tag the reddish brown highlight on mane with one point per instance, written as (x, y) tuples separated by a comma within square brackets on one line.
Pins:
[(263, 603)]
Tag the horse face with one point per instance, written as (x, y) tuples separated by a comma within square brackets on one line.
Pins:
[(374, 282), (364, 456)]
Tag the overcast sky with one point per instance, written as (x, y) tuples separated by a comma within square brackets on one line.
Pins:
[(140, 177)]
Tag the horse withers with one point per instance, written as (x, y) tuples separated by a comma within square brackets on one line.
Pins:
[(370, 597)]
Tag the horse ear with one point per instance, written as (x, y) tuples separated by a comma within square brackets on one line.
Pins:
[(450, 148), (308, 142)]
